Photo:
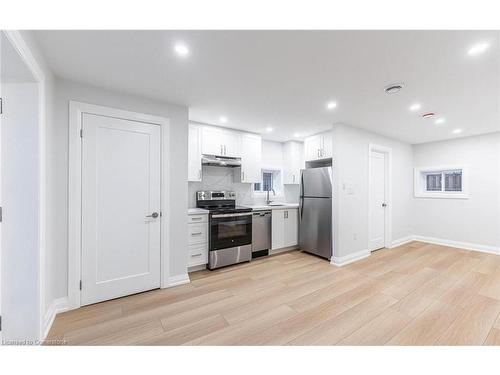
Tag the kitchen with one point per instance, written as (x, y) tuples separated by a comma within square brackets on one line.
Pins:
[(339, 200), (229, 169)]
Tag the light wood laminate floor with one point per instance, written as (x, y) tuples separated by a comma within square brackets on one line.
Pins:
[(416, 294)]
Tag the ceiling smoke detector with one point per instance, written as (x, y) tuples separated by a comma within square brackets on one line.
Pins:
[(428, 115), (394, 88)]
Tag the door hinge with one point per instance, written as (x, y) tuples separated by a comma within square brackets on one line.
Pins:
[(1, 106), (80, 284), (0, 322), (1, 214), (81, 133)]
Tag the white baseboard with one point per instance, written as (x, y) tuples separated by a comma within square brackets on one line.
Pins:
[(282, 250), (402, 241), (197, 268), (458, 244), (57, 306), (178, 280), (350, 258)]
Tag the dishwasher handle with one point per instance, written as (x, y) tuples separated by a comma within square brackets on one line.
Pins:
[(262, 213)]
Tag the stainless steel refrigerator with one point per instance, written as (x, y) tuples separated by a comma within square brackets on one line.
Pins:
[(315, 211)]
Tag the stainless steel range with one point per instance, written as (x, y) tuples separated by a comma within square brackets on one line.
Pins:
[(230, 233)]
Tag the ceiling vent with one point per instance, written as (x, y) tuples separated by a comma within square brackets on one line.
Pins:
[(428, 115), (394, 88)]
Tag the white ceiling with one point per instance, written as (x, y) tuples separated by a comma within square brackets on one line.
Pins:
[(284, 79)]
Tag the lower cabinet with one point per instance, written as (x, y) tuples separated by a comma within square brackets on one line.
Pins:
[(285, 227), (197, 240)]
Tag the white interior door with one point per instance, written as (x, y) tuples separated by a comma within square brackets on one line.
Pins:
[(377, 200), (120, 188)]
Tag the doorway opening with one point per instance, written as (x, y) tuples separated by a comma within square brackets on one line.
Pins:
[(22, 171)]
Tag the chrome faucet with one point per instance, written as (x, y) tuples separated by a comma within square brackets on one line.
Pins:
[(267, 199)]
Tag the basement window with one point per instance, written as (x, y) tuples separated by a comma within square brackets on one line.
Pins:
[(440, 182)]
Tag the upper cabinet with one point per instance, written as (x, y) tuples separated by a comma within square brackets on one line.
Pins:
[(220, 142), (251, 159), (194, 153), (318, 146), (293, 162)]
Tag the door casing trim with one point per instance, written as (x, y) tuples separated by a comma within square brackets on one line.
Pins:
[(76, 110), (388, 190)]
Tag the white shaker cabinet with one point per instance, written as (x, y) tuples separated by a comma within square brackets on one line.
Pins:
[(318, 146), (285, 228), (194, 153), (293, 162), (251, 159), (220, 142), (197, 239)]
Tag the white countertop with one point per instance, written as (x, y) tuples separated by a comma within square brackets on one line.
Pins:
[(197, 211), (265, 207)]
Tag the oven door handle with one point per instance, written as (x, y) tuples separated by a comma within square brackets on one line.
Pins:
[(232, 215)]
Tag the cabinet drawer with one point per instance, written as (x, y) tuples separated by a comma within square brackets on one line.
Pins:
[(197, 233), (197, 254), (193, 219)]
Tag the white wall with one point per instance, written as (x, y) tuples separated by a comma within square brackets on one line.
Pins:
[(32, 273), (350, 168), (58, 173), (20, 228), (475, 220), (272, 155)]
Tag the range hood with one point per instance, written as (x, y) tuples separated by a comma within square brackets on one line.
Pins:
[(220, 161)]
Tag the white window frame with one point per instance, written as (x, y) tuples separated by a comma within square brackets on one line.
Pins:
[(277, 182), (420, 182)]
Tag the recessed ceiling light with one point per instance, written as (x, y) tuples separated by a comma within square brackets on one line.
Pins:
[(439, 121), (331, 105), (428, 115), (296, 135), (181, 50), (394, 88), (415, 107), (223, 119), (269, 129), (457, 131), (478, 48)]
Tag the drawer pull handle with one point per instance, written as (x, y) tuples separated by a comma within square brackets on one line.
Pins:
[(196, 255), (196, 234), (196, 218)]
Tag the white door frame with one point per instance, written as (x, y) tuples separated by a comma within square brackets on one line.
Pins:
[(388, 192), (76, 111), (24, 52)]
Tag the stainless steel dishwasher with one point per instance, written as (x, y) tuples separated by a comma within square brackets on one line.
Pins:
[(261, 233)]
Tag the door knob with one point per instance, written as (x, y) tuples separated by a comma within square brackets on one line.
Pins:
[(154, 215), (384, 204)]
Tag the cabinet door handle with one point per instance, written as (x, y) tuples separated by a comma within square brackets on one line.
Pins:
[(196, 234), (293, 177), (196, 255), (196, 218), (242, 176), (225, 152)]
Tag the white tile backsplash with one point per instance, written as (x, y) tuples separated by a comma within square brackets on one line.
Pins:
[(220, 178)]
